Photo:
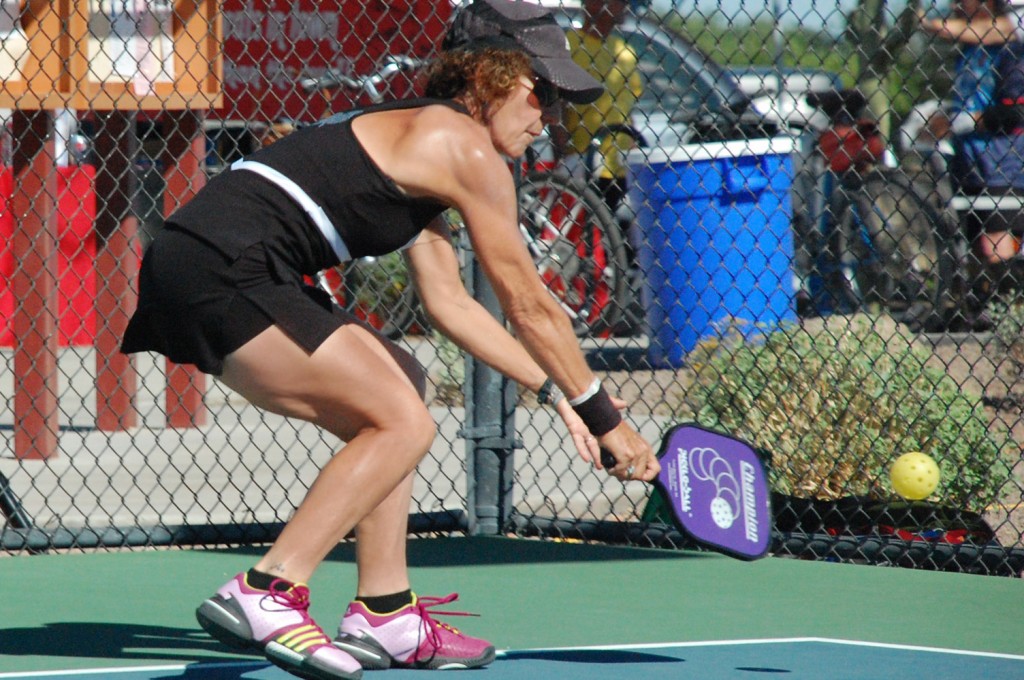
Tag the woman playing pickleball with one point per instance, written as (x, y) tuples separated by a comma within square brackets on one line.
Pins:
[(222, 287)]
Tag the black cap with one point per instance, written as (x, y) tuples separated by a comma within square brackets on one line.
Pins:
[(529, 28)]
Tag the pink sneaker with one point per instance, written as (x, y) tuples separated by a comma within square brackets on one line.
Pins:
[(276, 623), (410, 638)]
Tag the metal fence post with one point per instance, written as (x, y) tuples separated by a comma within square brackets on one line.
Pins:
[(489, 430)]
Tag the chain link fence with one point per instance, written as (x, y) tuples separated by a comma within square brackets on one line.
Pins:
[(789, 254)]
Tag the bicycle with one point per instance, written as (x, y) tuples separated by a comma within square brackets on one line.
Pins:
[(368, 85), (977, 282), (882, 241), (577, 248), (579, 244), (568, 230), (630, 304)]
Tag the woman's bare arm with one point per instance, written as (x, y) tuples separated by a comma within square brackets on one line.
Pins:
[(987, 30)]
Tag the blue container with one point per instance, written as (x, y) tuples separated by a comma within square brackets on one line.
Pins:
[(717, 247)]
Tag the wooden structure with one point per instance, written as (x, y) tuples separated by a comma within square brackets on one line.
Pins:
[(72, 46), (98, 55)]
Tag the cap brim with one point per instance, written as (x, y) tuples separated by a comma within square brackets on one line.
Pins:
[(518, 11), (573, 82)]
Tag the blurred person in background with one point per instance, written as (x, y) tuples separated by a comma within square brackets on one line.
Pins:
[(988, 157), (603, 53)]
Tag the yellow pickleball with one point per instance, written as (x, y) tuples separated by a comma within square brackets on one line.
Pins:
[(914, 475)]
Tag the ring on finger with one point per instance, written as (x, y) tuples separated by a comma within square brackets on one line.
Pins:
[(629, 471)]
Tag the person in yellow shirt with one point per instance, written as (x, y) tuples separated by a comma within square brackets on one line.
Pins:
[(598, 49), (603, 53)]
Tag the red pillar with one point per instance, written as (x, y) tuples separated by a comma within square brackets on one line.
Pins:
[(117, 264), (184, 176), (34, 204)]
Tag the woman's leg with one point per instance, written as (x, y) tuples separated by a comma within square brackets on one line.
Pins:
[(381, 538), (355, 388), (352, 388)]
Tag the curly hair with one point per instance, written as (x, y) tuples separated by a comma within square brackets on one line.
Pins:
[(482, 78)]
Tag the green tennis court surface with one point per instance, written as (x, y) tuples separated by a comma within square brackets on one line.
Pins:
[(562, 610), (795, 659)]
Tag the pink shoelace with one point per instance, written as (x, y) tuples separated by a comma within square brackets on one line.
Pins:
[(296, 597), (424, 604)]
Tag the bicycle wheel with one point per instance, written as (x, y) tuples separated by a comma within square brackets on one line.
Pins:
[(895, 248), (377, 290), (577, 248)]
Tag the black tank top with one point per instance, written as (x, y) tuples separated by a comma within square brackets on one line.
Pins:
[(371, 214)]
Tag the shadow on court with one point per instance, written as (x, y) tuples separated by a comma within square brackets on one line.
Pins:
[(595, 656), (83, 640), (482, 551), (639, 662)]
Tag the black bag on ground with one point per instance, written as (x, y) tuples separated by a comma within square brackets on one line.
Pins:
[(862, 516)]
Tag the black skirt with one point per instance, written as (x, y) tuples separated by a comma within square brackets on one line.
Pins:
[(197, 305)]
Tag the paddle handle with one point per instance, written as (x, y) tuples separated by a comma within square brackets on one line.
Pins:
[(607, 459)]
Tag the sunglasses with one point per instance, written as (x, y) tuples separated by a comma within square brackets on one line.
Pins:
[(546, 93)]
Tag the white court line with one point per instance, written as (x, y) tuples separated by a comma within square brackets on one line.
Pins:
[(769, 641), (914, 648), (501, 653)]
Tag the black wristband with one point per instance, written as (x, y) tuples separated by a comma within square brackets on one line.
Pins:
[(599, 413)]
